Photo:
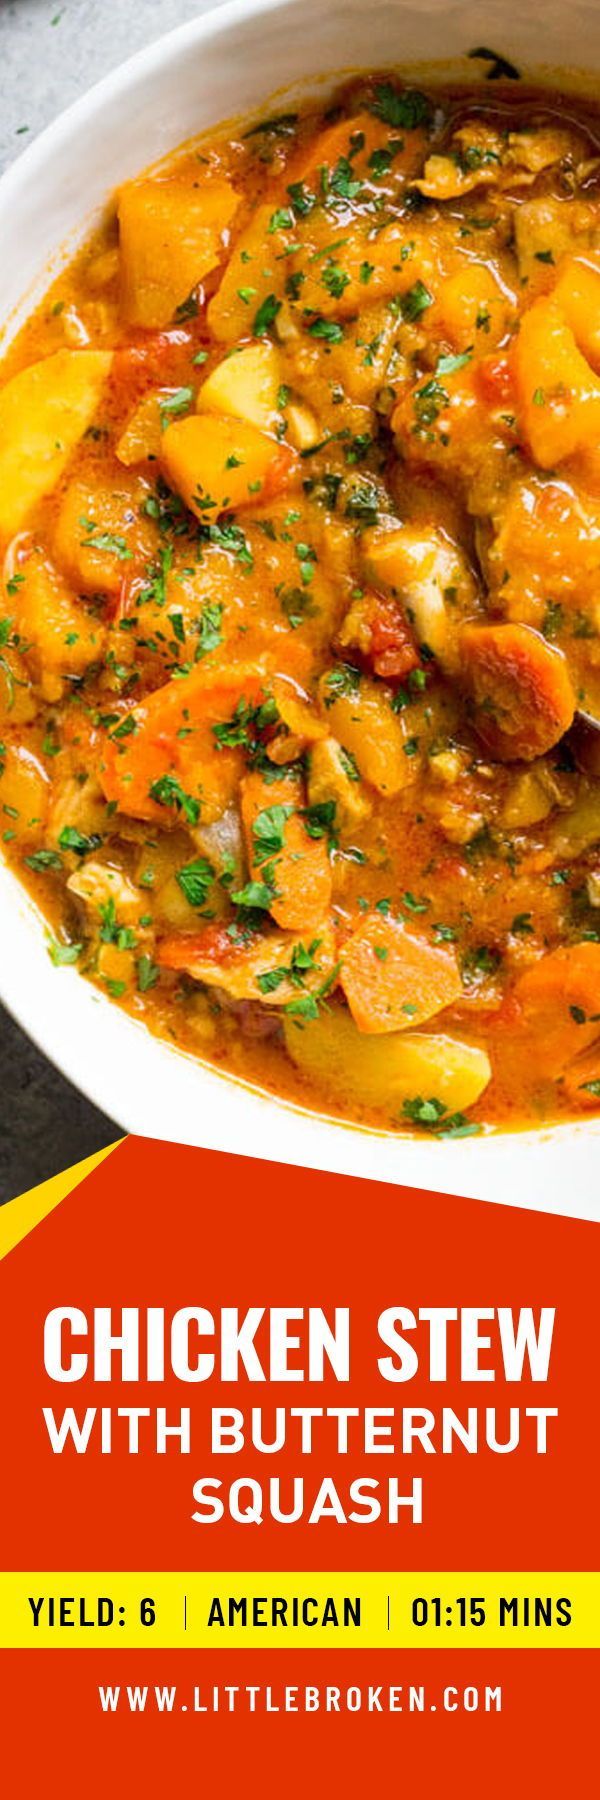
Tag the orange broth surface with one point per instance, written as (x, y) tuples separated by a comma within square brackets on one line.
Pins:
[(299, 645)]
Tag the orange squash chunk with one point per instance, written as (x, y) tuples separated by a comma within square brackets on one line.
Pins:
[(171, 237), (577, 293), (299, 863), (221, 464), (558, 396), (167, 767), (393, 980)]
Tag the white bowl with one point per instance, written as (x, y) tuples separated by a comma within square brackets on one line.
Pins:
[(222, 64)]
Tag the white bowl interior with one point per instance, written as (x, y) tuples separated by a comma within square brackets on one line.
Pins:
[(224, 64)]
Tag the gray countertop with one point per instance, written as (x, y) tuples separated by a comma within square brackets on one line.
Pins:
[(50, 52)]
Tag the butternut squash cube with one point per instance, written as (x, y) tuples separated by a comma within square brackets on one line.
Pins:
[(558, 393), (218, 464), (24, 793), (62, 637), (171, 237), (99, 533), (255, 270), (392, 980), (577, 292)]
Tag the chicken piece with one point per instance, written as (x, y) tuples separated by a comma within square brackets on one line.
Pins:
[(279, 969), (78, 805), (541, 149), (432, 577), (334, 778), (473, 160), (99, 885), (547, 228)]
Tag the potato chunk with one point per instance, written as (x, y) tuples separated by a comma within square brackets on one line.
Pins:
[(383, 1072), (44, 411), (245, 386), (171, 237)]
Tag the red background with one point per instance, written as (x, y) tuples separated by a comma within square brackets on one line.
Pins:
[(158, 1225)]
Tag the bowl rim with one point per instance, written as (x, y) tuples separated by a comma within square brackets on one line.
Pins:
[(480, 1167)]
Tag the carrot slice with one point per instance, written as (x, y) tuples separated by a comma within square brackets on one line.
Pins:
[(392, 980), (281, 851), (167, 765), (557, 1002), (522, 694)]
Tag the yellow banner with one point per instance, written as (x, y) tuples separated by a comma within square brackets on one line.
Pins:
[(307, 1611)]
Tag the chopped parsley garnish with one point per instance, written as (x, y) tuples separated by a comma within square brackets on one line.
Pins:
[(195, 880), (82, 843), (43, 860), (167, 791), (268, 832), (433, 1115), (111, 932), (61, 954), (327, 330), (256, 895), (319, 820), (209, 629), (335, 280), (244, 730), (229, 536), (362, 502), (148, 973), (415, 301), (449, 365), (266, 315), (406, 110), (342, 681), (105, 541), (175, 404), (301, 198)]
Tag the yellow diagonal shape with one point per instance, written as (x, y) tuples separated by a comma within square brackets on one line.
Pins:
[(19, 1217)]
